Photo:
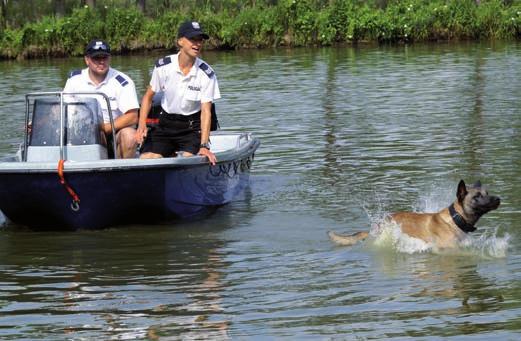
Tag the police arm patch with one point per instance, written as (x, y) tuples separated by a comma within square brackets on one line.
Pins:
[(208, 70), (121, 80), (163, 61), (74, 73)]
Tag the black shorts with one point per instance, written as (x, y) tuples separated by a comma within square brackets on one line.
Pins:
[(174, 133)]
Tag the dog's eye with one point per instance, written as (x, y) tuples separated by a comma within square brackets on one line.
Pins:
[(477, 196)]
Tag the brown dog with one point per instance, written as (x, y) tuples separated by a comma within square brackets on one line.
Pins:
[(444, 228)]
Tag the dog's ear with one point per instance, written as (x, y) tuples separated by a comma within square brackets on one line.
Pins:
[(477, 184), (462, 191)]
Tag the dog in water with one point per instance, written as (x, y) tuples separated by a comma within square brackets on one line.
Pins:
[(443, 229)]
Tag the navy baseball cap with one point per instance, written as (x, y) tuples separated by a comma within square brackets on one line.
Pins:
[(97, 47), (191, 29)]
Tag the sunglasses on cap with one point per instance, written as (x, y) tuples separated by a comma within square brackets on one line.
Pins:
[(99, 47)]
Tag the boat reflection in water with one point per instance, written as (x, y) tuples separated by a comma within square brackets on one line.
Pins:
[(62, 177)]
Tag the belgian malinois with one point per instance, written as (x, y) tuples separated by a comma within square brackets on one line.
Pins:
[(443, 229)]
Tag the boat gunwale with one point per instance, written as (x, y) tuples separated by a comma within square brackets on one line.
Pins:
[(225, 156)]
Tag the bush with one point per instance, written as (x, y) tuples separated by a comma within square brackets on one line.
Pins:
[(123, 28), (77, 30), (11, 43)]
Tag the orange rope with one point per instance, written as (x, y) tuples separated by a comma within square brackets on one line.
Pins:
[(75, 197)]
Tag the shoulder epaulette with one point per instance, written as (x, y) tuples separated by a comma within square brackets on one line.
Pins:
[(74, 73), (208, 70), (121, 80), (163, 61)]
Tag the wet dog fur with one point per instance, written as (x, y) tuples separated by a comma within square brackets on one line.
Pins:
[(443, 229)]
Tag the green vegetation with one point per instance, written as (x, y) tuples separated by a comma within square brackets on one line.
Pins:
[(235, 24)]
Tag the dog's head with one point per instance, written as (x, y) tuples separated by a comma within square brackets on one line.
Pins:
[(475, 200)]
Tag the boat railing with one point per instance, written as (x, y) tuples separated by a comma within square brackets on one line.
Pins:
[(243, 136), (29, 114)]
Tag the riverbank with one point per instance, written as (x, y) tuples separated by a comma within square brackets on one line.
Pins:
[(288, 23)]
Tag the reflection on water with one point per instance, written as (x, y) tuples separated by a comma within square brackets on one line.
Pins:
[(87, 281), (348, 134)]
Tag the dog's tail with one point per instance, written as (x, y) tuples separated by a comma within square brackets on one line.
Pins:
[(347, 240)]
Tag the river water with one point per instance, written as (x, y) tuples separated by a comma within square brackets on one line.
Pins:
[(348, 135)]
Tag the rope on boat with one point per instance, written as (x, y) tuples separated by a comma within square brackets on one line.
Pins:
[(75, 205), (231, 169)]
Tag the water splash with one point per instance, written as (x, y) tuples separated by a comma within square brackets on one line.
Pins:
[(386, 234), (487, 245), (3, 220), (435, 198)]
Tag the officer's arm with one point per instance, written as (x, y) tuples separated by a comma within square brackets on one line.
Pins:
[(126, 120), (206, 117), (146, 105)]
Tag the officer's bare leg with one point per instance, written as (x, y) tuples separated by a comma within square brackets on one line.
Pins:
[(150, 155), (126, 143)]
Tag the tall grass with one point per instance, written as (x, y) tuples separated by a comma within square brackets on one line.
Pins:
[(286, 23)]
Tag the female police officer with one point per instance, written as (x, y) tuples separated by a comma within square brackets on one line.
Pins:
[(189, 87)]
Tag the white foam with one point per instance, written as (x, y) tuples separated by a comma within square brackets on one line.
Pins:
[(3, 221), (388, 235), (486, 245)]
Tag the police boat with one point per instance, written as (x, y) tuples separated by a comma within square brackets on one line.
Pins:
[(63, 178)]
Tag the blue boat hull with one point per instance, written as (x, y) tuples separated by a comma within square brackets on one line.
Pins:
[(121, 195)]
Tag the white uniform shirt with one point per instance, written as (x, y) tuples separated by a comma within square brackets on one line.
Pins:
[(118, 87), (184, 94)]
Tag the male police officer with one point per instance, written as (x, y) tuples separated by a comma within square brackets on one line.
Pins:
[(119, 88)]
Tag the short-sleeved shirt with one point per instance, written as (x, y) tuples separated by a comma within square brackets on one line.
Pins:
[(183, 94), (118, 87)]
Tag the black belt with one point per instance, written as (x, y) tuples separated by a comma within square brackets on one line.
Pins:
[(178, 117)]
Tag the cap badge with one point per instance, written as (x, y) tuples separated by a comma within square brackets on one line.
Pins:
[(195, 25)]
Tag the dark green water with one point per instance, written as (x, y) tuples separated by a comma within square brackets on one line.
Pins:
[(347, 135)]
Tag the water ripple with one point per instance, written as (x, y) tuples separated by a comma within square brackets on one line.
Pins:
[(348, 135)]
